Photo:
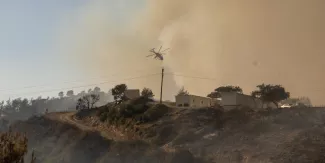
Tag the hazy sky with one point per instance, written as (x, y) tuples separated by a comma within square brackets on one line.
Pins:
[(234, 42), (30, 54)]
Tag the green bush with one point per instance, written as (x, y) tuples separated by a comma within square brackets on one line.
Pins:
[(138, 109), (155, 112), (134, 107)]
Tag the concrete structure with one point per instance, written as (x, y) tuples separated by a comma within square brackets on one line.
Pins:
[(132, 93), (193, 101), (231, 100)]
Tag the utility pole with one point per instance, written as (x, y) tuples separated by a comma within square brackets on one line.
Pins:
[(161, 84), (160, 56)]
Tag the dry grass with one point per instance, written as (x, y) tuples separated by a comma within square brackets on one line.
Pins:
[(13, 147)]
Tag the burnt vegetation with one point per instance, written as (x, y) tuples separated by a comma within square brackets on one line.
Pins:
[(13, 147), (161, 124)]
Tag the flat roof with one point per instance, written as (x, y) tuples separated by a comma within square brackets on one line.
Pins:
[(194, 96)]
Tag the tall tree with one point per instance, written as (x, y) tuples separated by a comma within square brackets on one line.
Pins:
[(217, 92), (119, 93), (146, 92), (271, 93)]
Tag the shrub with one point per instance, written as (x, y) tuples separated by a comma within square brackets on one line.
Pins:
[(155, 112), (134, 107), (13, 147), (103, 117)]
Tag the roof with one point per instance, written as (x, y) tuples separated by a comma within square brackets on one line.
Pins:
[(193, 96)]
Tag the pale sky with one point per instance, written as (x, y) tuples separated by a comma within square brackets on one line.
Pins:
[(236, 42), (29, 55)]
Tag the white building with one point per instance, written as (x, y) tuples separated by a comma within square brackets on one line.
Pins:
[(231, 100), (194, 101)]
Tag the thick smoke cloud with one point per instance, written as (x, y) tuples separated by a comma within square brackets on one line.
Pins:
[(236, 42)]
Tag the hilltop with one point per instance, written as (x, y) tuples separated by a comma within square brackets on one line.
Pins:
[(161, 132)]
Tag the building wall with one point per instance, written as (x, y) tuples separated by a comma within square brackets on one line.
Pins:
[(132, 93), (198, 101), (231, 100), (193, 101), (182, 100)]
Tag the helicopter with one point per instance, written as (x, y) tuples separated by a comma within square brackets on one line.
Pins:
[(157, 54)]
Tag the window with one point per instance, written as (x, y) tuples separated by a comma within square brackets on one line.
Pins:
[(186, 105), (201, 101), (180, 105)]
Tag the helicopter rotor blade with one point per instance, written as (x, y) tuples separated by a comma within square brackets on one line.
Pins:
[(150, 55), (159, 49), (165, 49)]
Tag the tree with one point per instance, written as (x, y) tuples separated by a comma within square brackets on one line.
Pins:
[(87, 101), (217, 92), (24, 107), (146, 92), (90, 90), (271, 93), (2, 105), (118, 93), (61, 94), (70, 93), (214, 95), (16, 104), (182, 91), (96, 90)]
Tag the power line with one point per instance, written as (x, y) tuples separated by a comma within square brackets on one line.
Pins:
[(215, 79), (89, 85), (195, 77), (121, 80), (66, 82)]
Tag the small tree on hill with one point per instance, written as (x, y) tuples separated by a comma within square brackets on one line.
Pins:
[(217, 91), (61, 94), (271, 93), (146, 92), (182, 91), (87, 101), (119, 93), (70, 93), (96, 90)]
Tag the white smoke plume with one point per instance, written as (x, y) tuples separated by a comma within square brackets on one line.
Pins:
[(236, 42)]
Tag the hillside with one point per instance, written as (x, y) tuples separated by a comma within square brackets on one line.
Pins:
[(56, 139), (208, 134)]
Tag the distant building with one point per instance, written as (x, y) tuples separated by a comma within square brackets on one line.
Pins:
[(132, 93), (193, 101), (231, 100)]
